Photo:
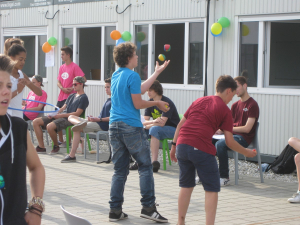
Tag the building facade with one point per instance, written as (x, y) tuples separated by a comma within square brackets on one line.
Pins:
[(262, 43)]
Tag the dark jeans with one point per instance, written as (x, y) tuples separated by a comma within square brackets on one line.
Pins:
[(223, 155), (126, 140)]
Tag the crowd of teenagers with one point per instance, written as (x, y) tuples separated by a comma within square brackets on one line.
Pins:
[(193, 146)]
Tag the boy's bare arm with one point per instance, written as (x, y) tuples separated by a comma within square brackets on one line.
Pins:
[(247, 128)]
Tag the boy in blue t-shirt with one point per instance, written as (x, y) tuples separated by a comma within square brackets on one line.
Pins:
[(126, 133)]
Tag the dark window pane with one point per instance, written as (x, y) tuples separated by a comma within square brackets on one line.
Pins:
[(109, 64), (90, 52), (285, 54), (249, 52), (172, 34), (41, 64), (196, 47), (29, 44), (141, 41)]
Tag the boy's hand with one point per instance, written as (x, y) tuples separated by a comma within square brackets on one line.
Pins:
[(219, 132), (250, 153), (163, 106), (32, 219), (172, 153), (160, 68)]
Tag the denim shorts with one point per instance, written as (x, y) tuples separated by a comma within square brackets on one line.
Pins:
[(162, 132), (191, 159)]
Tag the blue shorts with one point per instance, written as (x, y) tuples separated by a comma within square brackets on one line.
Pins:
[(162, 132), (189, 160)]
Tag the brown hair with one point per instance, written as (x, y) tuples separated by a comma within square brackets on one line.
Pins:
[(11, 41), (107, 81), (241, 79), (123, 52), (67, 50), (156, 86), (224, 82), (6, 64)]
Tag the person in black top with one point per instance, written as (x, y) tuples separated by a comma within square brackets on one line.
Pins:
[(75, 105), (163, 124), (92, 124), (17, 152)]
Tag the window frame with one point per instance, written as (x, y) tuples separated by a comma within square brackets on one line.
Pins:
[(151, 56), (264, 42), (27, 31), (75, 28)]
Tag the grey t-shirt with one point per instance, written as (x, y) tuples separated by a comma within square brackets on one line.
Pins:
[(73, 103)]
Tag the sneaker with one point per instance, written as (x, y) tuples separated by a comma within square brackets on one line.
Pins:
[(40, 150), (79, 126), (295, 198), (59, 142), (156, 166), (68, 159), (115, 216), (134, 166), (224, 182), (64, 144), (152, 214), (197, 181), (55, 150)]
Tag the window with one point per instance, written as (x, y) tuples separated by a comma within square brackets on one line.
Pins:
[(141, 41), (249, 52), (269, 51), (93, 55), (186, 54)]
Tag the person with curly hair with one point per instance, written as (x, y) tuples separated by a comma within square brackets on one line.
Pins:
[(126, 133)]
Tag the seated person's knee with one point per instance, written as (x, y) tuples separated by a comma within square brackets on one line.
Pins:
[(297, 159)]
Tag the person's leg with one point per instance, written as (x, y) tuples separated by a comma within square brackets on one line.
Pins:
[(37, 126), (75, 119), (154, 145), (295, 143), (75, 143), (223, 158), (183, 203), (51, 128), (211, 202), (186, 180), (120, 158)]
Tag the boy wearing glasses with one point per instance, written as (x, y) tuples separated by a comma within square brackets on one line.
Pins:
[(75, 105)]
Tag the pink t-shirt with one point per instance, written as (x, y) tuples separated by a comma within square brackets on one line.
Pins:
[(30, 104), (66, 75)]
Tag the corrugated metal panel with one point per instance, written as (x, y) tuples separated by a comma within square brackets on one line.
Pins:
[(248, 7), (167, 9), (24, 17), (89, 12)]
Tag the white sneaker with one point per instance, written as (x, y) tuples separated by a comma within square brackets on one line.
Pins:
[(197, 180), (224, 182), (295, 198)]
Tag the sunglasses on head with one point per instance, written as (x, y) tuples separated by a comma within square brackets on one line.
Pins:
[(76, 84)]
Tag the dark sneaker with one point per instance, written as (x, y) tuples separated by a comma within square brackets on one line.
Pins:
[(134, 166), (156, 166), (68, 159), (152, 214), (79, 126), (40, 150), (55, 150), (115, 216)]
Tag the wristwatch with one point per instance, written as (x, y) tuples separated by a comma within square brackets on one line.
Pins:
[(173, 143), (38, 201), (144, 126), (100, 119)]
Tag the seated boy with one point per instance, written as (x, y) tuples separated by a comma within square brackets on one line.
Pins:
[(75, 105), (92, 124), (37, 80), (163, 124), (194, 149)]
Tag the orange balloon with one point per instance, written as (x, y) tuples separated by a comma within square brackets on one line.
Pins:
[(46, 47), (115, 35)]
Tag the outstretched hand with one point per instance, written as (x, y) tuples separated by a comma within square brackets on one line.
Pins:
[(250, 153), (160, 68), (163, 106)]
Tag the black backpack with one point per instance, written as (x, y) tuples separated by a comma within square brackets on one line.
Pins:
[(284, 163)]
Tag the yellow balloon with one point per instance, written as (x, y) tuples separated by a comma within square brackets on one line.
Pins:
[(216, 28), (245, 30)]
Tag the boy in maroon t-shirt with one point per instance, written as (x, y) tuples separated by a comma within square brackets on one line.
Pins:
[(194, 148), (245, 113)]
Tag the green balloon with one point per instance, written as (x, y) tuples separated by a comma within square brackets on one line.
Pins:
[(67, 41), (224, 21), (126, 36), (52, 41), (140, 36)]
